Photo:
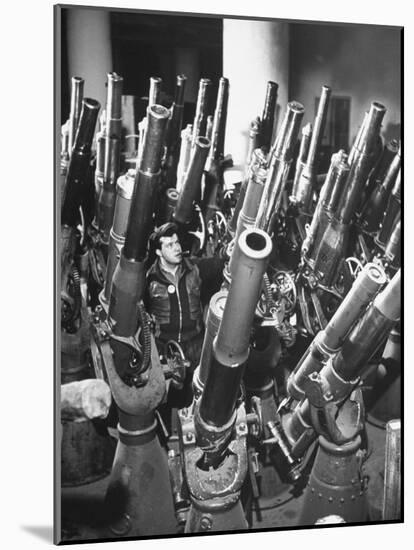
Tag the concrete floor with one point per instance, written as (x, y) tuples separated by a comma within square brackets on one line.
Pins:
[(82, 506)]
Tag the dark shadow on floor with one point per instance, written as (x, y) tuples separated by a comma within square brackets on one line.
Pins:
[(42, 532)]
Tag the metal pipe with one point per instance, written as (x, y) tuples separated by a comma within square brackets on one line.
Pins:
[(79, 162), (203, 99), (391, 214), (373, 210), (268, 115), (124, 192), (154, 91), (255, 188), (185, 154), (361, 164), (219, 121), (370, 332), (255, 158), (191, 189), (304, 185), (279, 166), (231, 345), (380, 169), (113, 124), (393, 249), (146, 184), (76, 98), (328, 341), (106, 201), (334, 181), (174, 126)]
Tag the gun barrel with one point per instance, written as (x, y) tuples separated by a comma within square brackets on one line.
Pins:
[(106, 202), (146, 183), (256, 158), (365, 287), (370, 332), (393, 249), (154, 91), (176, 120), (124, 191), (349, 200), (279, 166), (391, 214), (219, 121), (268, 116), (319, 126), (113, 124), (79, 162), (203, 99), (191, 189), (304, 182), (76, 98), (373, 211), (254, 192), (381, 168), (231, 345)]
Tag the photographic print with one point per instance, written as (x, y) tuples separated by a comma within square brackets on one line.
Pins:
[(228, 258)]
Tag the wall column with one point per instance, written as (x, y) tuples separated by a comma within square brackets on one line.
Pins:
[(254, 52), (89, 50)]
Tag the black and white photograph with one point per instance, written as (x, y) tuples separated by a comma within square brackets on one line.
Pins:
[(228, 195)]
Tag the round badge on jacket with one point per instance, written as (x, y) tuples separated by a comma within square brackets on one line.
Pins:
[(171, 289)]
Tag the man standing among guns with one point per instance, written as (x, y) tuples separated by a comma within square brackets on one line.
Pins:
[(177, 290)]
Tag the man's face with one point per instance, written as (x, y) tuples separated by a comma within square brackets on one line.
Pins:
[(170, 250)]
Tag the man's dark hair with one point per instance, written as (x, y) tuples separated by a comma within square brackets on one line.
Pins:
[(166, 230)]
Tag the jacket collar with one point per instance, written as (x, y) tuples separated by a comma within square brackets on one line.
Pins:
[(185, 267)]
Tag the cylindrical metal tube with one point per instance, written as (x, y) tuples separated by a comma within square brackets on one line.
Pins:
[(100, 163), (106, 202), (279, 165), (124, 191), (251, 203), (301, 160), (304, 184), (113, 125), (370, 332), (327, 341), (146, 183), (268, 115), (305, 142), (185, 153), (219, 122), (214, 317), (335, 178), (374, 208), (231, 345), (319, 126), (380, 169), (76, 98), (203, 99), (191, 189), (393, 248), (79, 162), (171, 199), (154, 91), (349, 200), (257, 158), (391, 214), (174, 126)]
